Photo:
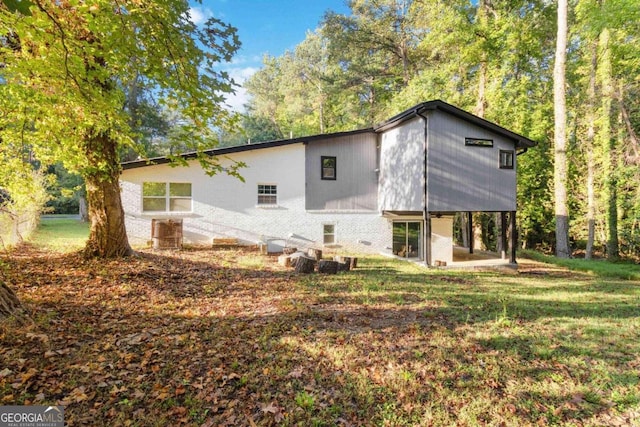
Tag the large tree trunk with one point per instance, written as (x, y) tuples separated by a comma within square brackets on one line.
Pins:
[(560, 157), (591, 167), (107, 236), (608, 145), (9, 303)]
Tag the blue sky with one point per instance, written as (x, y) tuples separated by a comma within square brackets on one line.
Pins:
[(264, 27)]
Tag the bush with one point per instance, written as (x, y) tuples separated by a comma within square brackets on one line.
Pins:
[(24, 197)]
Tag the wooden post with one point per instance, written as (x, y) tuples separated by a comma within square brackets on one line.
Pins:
[(514, 237), (503, 234), (470, 230)]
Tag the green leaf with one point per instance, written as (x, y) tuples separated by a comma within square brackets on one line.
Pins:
[(21, 6)]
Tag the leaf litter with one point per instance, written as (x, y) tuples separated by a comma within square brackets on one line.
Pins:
[(194, 337)]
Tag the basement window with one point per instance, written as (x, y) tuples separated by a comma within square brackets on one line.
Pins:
[(478, 142), (328, 167), (329, 234), (166, 197), (506, 159), (267, 194)]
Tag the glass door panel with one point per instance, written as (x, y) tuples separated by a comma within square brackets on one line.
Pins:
[(407, 239), (413, 239), (399, 238)]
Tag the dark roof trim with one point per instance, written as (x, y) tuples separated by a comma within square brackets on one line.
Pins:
[(240, 148), (521, 141)]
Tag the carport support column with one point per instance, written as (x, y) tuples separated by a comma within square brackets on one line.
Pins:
[(514, 237), (503, 234), (469, 231), (427, 239)]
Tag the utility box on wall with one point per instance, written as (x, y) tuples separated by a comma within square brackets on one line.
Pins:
[(166, 233)]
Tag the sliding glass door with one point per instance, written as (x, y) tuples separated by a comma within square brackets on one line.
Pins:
[(407, 239)]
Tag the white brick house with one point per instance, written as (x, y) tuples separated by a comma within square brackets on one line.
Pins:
[(389, 189)]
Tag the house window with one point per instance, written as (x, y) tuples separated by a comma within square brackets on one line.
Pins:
[(478, 142), (329, 234), (166, 197), (328, 167), (267, 194), (506, 159)]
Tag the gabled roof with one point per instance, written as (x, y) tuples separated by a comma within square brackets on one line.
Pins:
[(521, 141)]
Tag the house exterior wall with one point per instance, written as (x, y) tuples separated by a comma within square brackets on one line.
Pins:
[(467, 178), (224, 206), (356, 183), (401, 174)]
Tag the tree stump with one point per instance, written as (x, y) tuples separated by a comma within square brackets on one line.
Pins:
[(9, 303), (327, 266), (344, 263), (315, 253), (305, 265), (284, 260), (294, 257)]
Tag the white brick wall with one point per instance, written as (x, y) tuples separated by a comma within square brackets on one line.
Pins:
[(224, 206)]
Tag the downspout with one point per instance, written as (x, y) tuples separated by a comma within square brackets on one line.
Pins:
[(425, 181)]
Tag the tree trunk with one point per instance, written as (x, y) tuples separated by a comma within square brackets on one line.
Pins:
[(82, 209), (464, 228), (560, 156), (107, 235), (305, 265), (327, 267), (9, 303), (608, 145), (481, 103), (591, 168), (344, 262)]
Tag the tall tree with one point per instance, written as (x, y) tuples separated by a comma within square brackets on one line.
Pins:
[(65, 67), (608, 144), (563, 249)]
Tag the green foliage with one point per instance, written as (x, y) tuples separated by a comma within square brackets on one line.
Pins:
[(88, 56), (64, 191), (71, 81), (23, 198)]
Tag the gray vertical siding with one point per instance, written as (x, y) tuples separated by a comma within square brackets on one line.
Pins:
[(356, 184), (464, 178)]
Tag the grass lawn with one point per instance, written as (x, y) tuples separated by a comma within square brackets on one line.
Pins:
[(61, 234), (228, 337)]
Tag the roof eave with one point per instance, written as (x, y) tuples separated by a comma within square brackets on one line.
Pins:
[(520, 140)]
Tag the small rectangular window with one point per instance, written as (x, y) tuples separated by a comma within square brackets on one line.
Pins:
[(329, 234), (506, 159), (166, 197), (328, 167), (267, 194), (478, 142)]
